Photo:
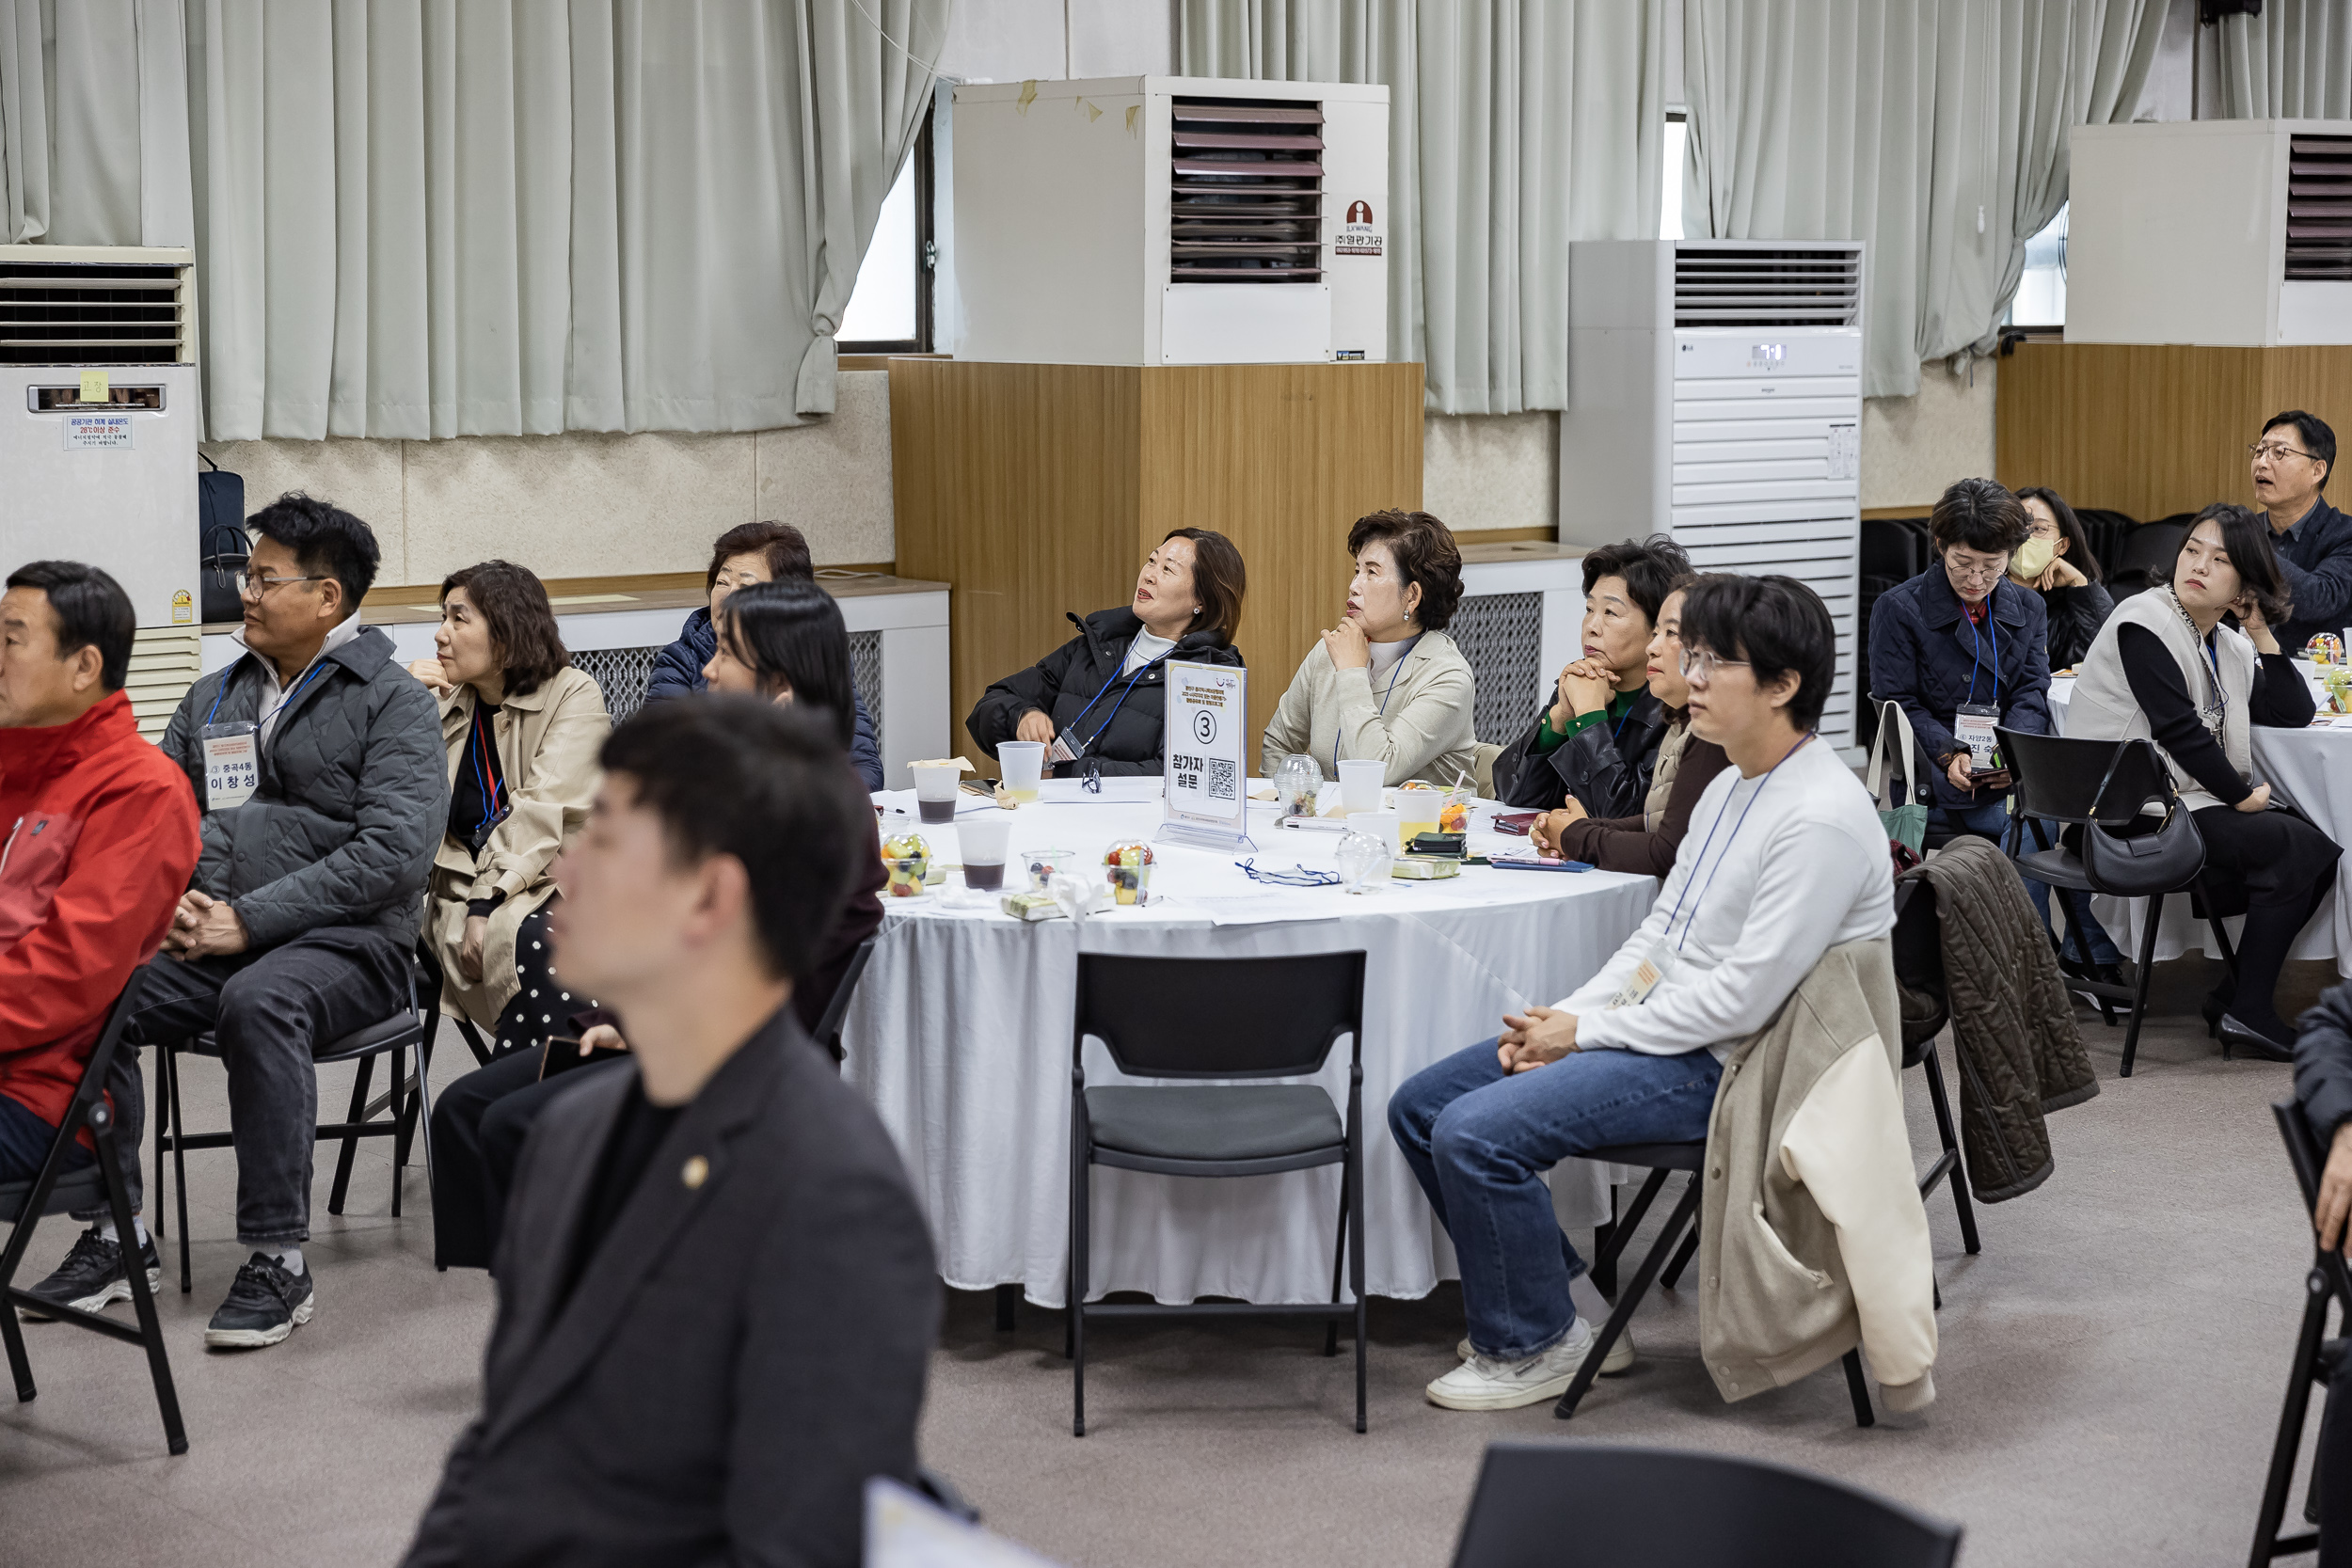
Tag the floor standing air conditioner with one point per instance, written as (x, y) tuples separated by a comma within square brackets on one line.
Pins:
[(1169, 220), (98, 430), (1715, 394)]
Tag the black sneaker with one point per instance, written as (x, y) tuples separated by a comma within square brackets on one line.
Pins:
[(93, 1276), (263, 1305)]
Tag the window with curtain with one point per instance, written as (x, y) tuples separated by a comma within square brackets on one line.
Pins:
[(2041, 287), (890, 308)]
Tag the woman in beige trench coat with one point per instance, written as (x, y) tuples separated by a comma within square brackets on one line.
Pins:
[(523, 729)]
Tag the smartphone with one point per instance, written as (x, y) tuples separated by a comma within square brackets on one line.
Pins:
[(565, 1054), (1535, 862), (1516, 822)]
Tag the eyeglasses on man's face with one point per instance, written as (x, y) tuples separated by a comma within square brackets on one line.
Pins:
[(1699, 665), (2276, 450), (251, 585)]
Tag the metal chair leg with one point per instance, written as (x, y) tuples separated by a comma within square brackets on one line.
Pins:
[(1682, 1259), (12, 1336), (1081, 1221), (1339, 1263), (1007, 1305), (2075, 907), (401, 1099), (1355, 1272), (178, 1162), (1684, 1212), (2290, 1439), (351, 1143), (142, 1299), (2140, 979), (1859, 1389), (1957, 1176)]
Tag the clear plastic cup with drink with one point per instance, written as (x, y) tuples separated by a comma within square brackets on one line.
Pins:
[(1022, 763), (983, 839)]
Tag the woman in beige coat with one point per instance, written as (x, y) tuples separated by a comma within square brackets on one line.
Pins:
[(523, 729)]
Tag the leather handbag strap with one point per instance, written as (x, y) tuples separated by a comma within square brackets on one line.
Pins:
[(2164, 775)]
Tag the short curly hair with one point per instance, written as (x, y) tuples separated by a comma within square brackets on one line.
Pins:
[(1425, 556), (1981, 515)]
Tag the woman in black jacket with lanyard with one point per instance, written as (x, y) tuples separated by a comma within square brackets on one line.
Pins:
[(1101, 696)]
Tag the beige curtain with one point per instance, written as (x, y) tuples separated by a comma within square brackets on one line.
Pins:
[(2292, 61), (93, 123), (1515, 127), (1932, 130)]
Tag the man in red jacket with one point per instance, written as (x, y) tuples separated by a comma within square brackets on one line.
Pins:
[(97, 837)]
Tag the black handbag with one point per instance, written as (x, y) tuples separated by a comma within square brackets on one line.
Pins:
[(2148, 863), (222, 547)]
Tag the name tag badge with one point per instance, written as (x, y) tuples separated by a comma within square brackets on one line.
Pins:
[(1653, 967), (1972, 726), (232, 763), (1060, 751)]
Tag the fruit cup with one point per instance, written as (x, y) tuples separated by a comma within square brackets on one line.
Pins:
[(1127, 867)]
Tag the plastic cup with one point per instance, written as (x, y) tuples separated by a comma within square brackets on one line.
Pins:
[(1387, 826), (935, 792), (1023, 762), (1041, 865), (983, 838), (1420, 805), (1360, 784)]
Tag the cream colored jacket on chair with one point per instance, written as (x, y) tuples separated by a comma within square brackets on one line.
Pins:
[(547, 742), (1812, 1237)]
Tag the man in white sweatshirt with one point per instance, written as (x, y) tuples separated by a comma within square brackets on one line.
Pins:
[(1784, 859)]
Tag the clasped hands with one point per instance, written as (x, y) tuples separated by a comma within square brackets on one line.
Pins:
[(1585, 685), (204, 927), (1532, 1038)]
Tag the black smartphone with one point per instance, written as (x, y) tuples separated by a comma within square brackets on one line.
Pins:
[(565, 1054)]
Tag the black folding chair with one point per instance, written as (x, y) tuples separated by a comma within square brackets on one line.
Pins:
[(2316, 1356), (1218, 1018), (2144, 551), (2056, 780), (1663, 1160), (1547, 1505), (56, 1191), (408, 1096)]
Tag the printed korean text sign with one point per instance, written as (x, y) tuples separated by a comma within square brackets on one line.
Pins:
[(96, 432), (1208, 723)]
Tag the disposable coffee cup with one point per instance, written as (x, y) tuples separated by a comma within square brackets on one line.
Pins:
[(935, 792), (1386, 826), (1021, 761), (982, 837), (1360, 784)]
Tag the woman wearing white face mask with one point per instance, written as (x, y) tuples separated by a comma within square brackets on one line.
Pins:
[(2056, 561), (1386, 682)]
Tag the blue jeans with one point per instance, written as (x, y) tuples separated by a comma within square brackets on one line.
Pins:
[(24, 1141), (1991, 818), (1479, 1143)]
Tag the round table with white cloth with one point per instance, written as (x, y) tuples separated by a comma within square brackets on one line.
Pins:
[(2309, 769), (959, 1037)]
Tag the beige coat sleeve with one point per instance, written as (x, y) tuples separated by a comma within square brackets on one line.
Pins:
[(1291, 727), (1849, 1146), (559, 781), (1418, 727)]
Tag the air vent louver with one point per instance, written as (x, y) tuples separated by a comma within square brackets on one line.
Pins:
[(1245, 187), (111, 313), (2319, 207), (1783, 287)]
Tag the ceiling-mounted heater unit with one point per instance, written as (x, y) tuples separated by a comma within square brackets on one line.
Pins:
[(1715, 394), (2222, 232), (97, 432), (1166, 220)]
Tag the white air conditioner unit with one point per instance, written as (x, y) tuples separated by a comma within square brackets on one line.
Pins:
[(109, 480), (1170, 221), (2226, 233), (1715, 394)]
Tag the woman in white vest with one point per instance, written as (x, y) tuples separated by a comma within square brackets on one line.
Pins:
[(2167, 667)]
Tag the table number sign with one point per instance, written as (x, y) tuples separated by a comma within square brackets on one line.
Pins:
[(1206, 768)]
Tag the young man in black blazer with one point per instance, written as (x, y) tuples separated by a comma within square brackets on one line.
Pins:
[(718, 1299)]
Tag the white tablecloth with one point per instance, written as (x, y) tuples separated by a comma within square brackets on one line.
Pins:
[(959, 1037), (2309, 769)]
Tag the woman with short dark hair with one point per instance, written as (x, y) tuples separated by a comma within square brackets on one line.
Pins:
[(522, 728), (1098, 700), (2055, 562), (1387, 682), (1597, 744), (2170, 667), (745, 554)]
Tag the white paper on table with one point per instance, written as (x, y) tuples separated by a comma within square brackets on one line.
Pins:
[(906, 1530), (1115, 791)]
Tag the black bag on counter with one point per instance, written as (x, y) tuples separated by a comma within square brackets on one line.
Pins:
[(222, 547)]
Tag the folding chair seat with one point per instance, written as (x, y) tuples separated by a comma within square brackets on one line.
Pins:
[(55, 1190)]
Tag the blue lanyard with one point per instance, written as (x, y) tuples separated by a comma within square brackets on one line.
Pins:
[(317, 669), (1727, 854), (1106, 724), (1978, 660), (1384, 699), (492, 789)]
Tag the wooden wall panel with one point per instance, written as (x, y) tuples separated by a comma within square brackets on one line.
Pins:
[(1282, 459), (2158, 429), (1017, 485)]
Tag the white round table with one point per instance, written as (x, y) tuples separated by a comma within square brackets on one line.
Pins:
[(2309, 769), (960, 1035)]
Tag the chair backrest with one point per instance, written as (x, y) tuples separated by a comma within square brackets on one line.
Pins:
[(2058, 776), (1220, 1018), (18, 1199), (1592, 1505), (1483, 768), (829, 1022), (1918, 944), (2143, 552)]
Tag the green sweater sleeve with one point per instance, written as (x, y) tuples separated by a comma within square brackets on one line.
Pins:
[(1548, 740)]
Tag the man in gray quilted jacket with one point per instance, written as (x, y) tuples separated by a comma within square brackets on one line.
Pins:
[(318, 762)]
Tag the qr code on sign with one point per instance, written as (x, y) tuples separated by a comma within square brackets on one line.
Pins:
[(1221, 779)]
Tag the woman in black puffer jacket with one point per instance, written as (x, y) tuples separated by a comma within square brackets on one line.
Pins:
[(2057, 563), (1101, 694)]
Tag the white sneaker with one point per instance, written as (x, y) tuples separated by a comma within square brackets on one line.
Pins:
[(1620, 1354), (1483, 1384)]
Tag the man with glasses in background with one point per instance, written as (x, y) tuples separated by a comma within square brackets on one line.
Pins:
[(317, 761), (2292, 461)]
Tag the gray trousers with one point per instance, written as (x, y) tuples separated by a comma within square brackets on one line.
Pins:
[(269, 1013)]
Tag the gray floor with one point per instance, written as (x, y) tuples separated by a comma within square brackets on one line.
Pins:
[(2110, 1376)]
